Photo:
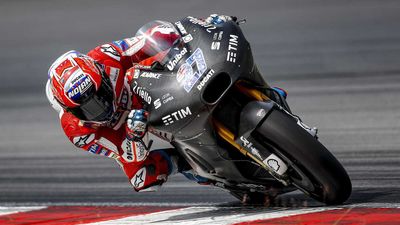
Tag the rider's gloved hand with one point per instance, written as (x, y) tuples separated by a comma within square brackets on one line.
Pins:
[(136, 124), (218, 19)]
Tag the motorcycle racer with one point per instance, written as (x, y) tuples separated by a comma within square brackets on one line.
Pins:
[(101, 114), (98, 110)]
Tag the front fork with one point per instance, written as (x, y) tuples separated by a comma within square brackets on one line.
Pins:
[(254, 113)]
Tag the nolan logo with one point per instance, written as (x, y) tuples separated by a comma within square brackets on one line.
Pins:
[(171, 65), (79, 87), (176, 116)]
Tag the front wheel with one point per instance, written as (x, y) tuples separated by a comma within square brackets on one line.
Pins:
[(311, 167)]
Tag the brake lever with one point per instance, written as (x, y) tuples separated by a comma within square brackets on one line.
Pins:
[(242, 21)]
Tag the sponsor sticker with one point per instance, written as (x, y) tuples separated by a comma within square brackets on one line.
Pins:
[(157, 103), (63, 67), (261, 113), (113, 72), (205, 79), (208, 26), (124, 99), (134, 44), (176, 116), (104, 152), (187, 38), (171, 64), (163, 100), (150, 75), (276, 164), (181, 28), (110, 51), (184, 70), (247, 144), (94, 148), (191, 71), (78, 86), (140, 152), (127, 148), (83, 140), (232, 48), (121, 44), (141, 92), (139, 178)]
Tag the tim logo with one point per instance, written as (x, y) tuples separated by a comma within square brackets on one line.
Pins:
[(176, 116), (232, 48)]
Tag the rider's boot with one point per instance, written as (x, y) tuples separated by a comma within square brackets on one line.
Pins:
[(279, 95), (193, 176), (185, 169), (154, 171)]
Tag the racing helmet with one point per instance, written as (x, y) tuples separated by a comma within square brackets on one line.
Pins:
[(81, 87)]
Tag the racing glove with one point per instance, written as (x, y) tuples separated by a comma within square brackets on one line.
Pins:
[(136, 124), (218, 19)]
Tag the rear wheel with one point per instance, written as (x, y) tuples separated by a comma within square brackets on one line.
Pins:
[(311, 167)]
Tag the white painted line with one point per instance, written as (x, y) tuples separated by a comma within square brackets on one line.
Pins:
[(209, 215), (264, 215), (158, 217), (132, 204), (12, 210), (373, 205)]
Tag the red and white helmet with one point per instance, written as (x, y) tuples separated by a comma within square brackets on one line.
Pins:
[(81, 87)]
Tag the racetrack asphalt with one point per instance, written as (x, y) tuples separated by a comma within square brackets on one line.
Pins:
[(339, 61)]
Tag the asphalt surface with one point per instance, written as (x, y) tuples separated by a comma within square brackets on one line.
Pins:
[(339, 61)]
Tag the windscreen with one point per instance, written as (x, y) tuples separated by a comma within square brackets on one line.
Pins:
[(158, 38)]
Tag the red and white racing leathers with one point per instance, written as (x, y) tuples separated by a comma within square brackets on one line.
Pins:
[(143, 169)]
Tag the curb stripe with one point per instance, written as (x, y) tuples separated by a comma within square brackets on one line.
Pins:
[(206, 215), (365, 216), (164, 217), (12, 210), (76, 214), (216, 215)]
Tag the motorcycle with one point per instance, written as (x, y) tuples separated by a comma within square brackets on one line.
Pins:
[(206, 97)]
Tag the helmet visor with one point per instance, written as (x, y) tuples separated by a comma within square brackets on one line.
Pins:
[(98, 107)]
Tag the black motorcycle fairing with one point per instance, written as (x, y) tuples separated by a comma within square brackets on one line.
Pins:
[(175, 103), (210, 99), (252, 115)]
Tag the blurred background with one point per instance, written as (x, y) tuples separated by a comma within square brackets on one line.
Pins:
[(339, 61)]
